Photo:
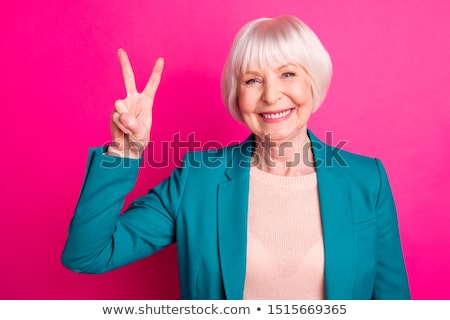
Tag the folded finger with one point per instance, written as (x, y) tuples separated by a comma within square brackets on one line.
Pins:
[(116, 120), (120, 106)]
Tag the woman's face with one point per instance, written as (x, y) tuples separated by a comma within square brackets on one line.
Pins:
[(276, 100)]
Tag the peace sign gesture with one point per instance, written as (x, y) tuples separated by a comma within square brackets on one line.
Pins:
[(131, 119)]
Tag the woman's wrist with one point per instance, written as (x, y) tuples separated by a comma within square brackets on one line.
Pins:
[(132, 152)]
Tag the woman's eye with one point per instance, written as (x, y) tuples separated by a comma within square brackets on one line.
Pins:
[(252, 81), (288, 74)]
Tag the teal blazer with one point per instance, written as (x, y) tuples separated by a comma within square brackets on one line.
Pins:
[(202, 207)]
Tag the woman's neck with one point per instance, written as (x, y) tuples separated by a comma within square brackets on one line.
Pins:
[(285, 158)]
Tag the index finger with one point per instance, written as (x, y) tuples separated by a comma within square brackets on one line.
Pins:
[(127, 72), (155, 78)]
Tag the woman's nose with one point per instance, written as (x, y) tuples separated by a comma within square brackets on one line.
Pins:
[(272, 91)]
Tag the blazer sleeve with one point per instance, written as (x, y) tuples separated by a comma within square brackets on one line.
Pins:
[(100, 238), (391, 279)]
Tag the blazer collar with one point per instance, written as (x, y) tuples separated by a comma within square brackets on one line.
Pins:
[(335, 210)]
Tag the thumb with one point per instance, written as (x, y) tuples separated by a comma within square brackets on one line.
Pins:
[(136, 129)]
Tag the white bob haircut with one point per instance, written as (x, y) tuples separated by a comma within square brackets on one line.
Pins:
[(265, 41)]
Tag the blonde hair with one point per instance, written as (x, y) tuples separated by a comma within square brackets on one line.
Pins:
[(264, 41)]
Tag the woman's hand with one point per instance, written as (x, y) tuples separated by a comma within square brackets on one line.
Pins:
[(131, 119)]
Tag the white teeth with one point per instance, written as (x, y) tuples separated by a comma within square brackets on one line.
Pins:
[(275, 115)]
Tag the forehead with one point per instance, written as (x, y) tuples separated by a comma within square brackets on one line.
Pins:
[(268, 52)]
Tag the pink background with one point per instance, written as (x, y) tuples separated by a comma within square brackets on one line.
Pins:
[(60, 76)]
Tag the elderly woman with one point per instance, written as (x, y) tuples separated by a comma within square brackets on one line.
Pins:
[(279, 216)]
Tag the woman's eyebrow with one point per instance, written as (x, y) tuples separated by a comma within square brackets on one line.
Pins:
[(257, 72), (251, 72), (288, 65)]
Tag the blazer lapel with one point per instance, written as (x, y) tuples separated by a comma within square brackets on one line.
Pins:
[(232, 220), (337, 222)]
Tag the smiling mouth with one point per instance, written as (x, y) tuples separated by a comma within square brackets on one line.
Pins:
[(276, 115)]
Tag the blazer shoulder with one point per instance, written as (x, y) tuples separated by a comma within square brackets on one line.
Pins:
[(358, 161), (340, 161), (356, 168)]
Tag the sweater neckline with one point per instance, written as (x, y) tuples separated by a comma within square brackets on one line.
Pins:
[(288, 182)]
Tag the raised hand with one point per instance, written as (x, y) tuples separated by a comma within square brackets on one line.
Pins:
[(131, 119)]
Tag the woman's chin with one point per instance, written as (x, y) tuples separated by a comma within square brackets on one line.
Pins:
[(275, 136), (281, 135)]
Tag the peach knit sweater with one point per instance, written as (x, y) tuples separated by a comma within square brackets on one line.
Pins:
[(285, 257)]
